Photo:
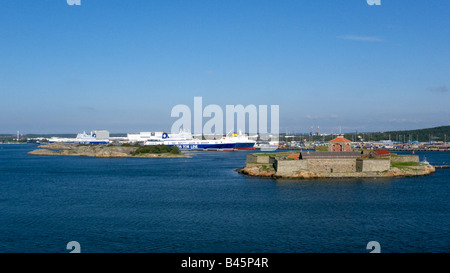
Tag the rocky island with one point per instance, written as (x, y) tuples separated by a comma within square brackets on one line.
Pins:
[(105, 151), (340, 161), (336, 165)]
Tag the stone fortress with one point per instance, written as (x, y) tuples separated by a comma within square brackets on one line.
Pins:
[(339, 161)]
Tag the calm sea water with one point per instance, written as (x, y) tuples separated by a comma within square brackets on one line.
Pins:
[(203, 205)]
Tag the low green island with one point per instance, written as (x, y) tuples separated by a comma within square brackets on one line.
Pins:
[(105, 151)]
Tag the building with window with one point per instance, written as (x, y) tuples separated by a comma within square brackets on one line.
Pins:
[(339, 144)]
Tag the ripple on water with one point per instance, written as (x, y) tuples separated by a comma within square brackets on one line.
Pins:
[(203, 205)]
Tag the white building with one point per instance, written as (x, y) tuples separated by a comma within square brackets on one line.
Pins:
[(143, 136), (139, 137), (101, 134)]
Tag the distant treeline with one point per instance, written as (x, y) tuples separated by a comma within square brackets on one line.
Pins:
[(441, 133)]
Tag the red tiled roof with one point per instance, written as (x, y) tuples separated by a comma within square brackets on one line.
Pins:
[(340, 139), (295, 156), (381, 152)]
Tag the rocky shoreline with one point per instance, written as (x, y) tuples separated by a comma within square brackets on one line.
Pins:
[(101, 151), (333, 165), (259, 171)]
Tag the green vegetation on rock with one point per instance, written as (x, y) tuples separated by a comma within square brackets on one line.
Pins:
[(321, 148), (404, 164), (157, 149)]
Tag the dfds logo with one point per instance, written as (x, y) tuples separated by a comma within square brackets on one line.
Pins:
[(74, 2), (373, 2)]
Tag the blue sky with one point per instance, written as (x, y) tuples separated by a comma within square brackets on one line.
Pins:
[(122, 65)]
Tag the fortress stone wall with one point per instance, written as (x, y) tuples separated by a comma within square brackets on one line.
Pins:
[(332, 165), (326, 163), (260, 159), (373, 165), (255, 158), (405, 158), (289, 167), (338, 165)]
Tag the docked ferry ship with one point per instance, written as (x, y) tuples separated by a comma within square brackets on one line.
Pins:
[(83, 138), (185, 141)]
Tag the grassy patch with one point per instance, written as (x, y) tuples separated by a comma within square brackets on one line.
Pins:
[(404, 164), (321, 148), (266, 168)]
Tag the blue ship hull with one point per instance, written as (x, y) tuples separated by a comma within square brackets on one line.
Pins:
[(219, 146), (228, 146), (245, 146), (94, 142)]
